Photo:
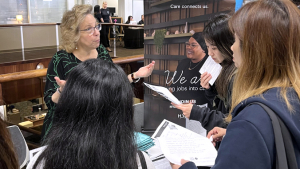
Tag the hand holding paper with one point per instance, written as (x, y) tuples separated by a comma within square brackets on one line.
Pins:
[(211, 67), (164, 92)]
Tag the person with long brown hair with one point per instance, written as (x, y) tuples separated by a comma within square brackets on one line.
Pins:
[(8, 158), (267, 54)]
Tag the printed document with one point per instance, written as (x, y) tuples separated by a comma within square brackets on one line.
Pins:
[(164, 92), (210, 66), (179, 143)]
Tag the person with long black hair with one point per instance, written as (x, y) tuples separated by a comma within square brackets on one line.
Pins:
[(97, 13), (94, 125), (218, 39), (130, 18)]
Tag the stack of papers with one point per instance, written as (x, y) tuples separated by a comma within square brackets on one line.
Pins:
[(155, 151), (143, 141), (178, 143), (157, 156)]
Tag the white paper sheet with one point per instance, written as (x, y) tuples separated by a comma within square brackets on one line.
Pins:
[(179, 143), (210, 66), (162, 164), (155, 151), (164, 92), (196, 127)]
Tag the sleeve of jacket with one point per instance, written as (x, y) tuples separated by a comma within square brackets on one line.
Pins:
[(243, 147), (207, 117), (211, 95), (188, 165), (98, 17), (55, 68)]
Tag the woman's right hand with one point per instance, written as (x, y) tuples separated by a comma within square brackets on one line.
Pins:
[(217, 134), (185, 108), (61, 83), (205, 78)]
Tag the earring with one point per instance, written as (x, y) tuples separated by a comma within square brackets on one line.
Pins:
[(76, 47)]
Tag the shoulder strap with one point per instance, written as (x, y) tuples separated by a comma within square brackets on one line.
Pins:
[(286, 159), (142, 160)]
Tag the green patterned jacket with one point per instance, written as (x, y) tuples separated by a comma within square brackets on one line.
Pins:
[(60, 65)]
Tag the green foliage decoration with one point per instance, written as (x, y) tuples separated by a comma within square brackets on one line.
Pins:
[(159, 39)]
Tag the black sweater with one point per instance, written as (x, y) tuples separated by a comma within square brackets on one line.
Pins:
[(211, 118)]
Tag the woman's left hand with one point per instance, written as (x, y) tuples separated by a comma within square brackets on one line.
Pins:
[(145, 71)]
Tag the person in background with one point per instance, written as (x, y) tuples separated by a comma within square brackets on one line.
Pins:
[(185, 83), (141, 22), (218, 39), (97, 13), (80, 42), (130, 18), (95, 127), (267, 55), (105, 29), (8, 157)]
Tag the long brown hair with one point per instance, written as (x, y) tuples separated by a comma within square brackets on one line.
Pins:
[(8, 159), (269, 33)]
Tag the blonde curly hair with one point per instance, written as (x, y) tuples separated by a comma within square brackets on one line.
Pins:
[(70, 26)]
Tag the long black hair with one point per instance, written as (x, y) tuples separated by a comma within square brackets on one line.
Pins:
[(93, 120), (218, 34), (128, 20), (96, 9)]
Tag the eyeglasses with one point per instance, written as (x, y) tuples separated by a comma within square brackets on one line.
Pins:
[(193, 45), (91, 30)]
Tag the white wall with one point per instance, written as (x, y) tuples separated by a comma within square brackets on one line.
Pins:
[(70, 4), (121, 9), (133, 8), (138, 9), (125, 9), (128, 9), (110, 3)]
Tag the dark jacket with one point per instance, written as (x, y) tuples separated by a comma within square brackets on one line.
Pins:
[(212, 118), (98, 16), (249, 142), (141, 22)]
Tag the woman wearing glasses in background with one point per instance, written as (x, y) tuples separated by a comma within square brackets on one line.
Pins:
[(80, 42), (186, 80)]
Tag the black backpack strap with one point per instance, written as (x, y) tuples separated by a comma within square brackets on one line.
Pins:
[(285, 155), (289, 148), (142, 160)]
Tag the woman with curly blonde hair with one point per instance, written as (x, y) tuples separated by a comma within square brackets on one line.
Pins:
[(80, 42)]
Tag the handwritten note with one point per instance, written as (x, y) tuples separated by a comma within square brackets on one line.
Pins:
[(178, 143)]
